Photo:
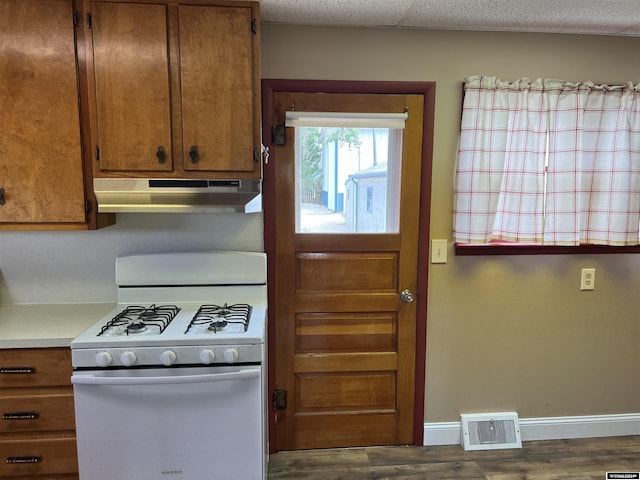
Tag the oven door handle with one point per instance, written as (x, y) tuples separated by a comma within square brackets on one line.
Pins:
[(169, 380)]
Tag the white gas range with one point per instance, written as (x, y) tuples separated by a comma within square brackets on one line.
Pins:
[(172, 382)]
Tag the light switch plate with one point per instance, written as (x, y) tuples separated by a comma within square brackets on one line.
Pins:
[(439, 251)]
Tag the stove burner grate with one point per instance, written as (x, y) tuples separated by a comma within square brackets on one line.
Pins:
[(137, 319), (217, 317)]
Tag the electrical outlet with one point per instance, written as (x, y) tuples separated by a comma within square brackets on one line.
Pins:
[(439, 251), (588, 279)]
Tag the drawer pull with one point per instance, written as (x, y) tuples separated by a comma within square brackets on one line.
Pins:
[(29, 459), (18, 370), (20, 415)]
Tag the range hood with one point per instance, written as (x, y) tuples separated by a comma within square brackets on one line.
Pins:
[(115, 195)]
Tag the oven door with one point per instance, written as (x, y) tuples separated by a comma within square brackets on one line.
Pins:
[(173, 423)]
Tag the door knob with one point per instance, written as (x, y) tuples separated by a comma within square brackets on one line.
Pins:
[(406, 295)]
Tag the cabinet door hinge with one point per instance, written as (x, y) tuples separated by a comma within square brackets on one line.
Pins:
[(277, 135), (76, 18), (89, 20), (88, 207), (279, 399), (254, 26), (97, 153)]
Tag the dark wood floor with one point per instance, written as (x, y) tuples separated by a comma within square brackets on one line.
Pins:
[(579, 459)]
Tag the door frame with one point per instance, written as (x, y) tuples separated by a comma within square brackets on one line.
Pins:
[(428, 90)]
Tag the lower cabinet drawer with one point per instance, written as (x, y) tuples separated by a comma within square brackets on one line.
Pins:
[(35, 367), (37, 412), (49, 456)]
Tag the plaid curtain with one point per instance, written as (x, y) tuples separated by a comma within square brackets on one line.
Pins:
[(548, 162)]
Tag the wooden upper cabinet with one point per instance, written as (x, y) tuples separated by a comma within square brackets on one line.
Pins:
[(41, 171), (217, 88), (130, 59), (176, 89)]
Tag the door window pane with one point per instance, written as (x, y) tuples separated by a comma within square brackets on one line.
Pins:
[(347, 179)]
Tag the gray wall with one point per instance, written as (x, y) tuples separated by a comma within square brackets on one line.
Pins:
[(504, 333)]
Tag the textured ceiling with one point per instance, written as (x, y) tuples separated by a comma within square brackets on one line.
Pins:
[(602, 17)]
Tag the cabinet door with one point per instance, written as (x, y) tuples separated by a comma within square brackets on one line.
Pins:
[(131, 65), (217, 79), (40, 155)]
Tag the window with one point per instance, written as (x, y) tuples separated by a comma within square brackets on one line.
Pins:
[(370, 199), (347, 171), (548, 163)]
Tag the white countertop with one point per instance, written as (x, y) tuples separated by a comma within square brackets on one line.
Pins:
[(36, 326)]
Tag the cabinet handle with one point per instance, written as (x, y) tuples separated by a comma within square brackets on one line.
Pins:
[(161, 154), (1, 196), (21, 415), (27, 459), (193, 153), (17, 370)]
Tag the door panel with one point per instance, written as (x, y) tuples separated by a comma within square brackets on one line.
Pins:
[(346, 271), (352, 391), (338, 332), (348, 429), (345, 341)]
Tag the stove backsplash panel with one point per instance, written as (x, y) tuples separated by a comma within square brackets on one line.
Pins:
[(78, 267)]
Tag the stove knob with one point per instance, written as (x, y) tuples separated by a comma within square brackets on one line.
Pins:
[(104, 359), (230, 355), (168, 358), (207, 356), (128, 358)]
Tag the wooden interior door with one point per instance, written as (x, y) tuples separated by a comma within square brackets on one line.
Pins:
[(344, 339)]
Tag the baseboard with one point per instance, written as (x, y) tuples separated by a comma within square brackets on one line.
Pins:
[(549, 428)]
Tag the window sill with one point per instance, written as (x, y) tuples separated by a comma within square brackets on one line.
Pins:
[(540, 250)]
